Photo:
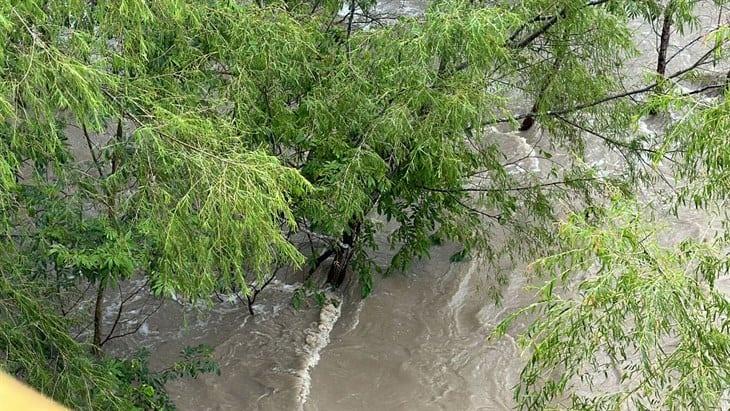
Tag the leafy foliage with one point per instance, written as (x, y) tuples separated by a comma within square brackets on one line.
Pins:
[(147, 388), (36, 346), (648, 312), (310, 293)]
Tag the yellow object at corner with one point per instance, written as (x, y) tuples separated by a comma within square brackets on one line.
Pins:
[(16, 396)]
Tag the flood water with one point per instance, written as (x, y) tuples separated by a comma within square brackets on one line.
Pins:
[(419, 342)]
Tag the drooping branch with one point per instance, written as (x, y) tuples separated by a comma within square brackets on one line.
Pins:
[(118, 316), (251, 298), (495, 217), (549, 22), (82, 295), (120, 310), (138, 325), (92, 152), (642, 90), (604, 137), (507, 189), (324, 237)]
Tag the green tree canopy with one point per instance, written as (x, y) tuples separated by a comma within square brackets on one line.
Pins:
[(189, 142)]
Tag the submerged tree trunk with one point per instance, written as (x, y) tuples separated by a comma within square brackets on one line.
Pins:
[(251, 298), (343, 256), (338, 269), (529, 121), (98, 317)]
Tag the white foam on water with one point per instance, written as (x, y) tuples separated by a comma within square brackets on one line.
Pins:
[(315, 341), (356, 316), (457, 299), (525, 153), (644, 128), (284, 287)]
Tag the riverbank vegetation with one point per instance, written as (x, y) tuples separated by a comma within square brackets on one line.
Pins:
[(202, 146)]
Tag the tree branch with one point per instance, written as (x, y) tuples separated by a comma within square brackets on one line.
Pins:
[(139, 325), (327, 238), (547, 25), (606, 99), (523, 188), (121, 307), (91, 150)]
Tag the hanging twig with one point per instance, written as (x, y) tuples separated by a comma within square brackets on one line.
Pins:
[(641, 90), (121, 308), (91, 150), (65, 311), (139, 325), (251, 297)]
